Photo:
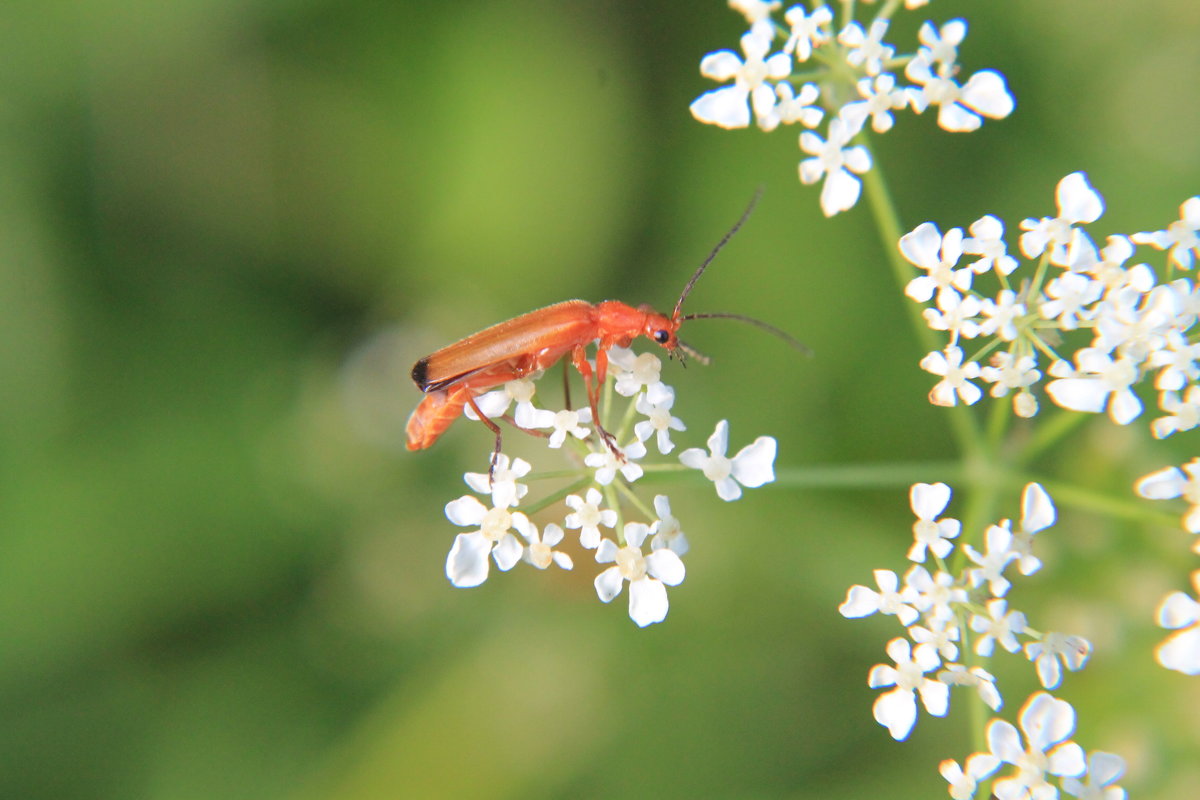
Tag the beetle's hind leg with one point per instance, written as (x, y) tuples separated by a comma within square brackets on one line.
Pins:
[(494, 428)]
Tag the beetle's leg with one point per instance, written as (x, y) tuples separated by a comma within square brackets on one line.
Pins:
[(566, 386), (494, 428), (579, 359)]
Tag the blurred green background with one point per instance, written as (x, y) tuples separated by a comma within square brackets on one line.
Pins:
[(227, 229)]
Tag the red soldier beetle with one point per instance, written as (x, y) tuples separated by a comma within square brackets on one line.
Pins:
[(454, 376)]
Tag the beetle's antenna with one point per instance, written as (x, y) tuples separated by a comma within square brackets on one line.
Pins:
[(724, 240), (758, 323)]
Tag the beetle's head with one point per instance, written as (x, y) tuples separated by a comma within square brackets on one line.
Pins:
[(661, 329)]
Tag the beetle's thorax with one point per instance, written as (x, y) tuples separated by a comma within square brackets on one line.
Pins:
[(621, 324)]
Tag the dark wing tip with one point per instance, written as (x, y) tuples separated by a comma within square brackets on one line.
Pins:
[(420, 374)]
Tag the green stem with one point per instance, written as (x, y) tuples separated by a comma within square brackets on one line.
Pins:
[(866, 476), (962, 422), (1129, 508), (1051, 433)]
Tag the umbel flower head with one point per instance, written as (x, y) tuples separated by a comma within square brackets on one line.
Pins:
[(1086, 326), (931, 605), (646, 554), (802, 71)]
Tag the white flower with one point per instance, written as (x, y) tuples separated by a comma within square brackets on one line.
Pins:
[(866, 48), (807, 30), (607, 465), (755, 10), (1006, 372), (659, 422), (666, 529), (1072, 295), (1046, 722), (729, 106), (956, 377), (1134, 325), (987, 242), (925, 248), (1187, 301), (1101, 381), (1181, 236), (960, 108), (862, 602), (1177, 361), (927, 501), (933, 595), (1082, 255), (976, 678), (1178, 612), (897, 710), (1001, 315), (1073, 651), (1037, 514), (1110, 269), (956, 314), (563, 422), (467, 563), (963, 784), (753, 466), (792, 108), (495, 403), (1077, 203), (587, 515), (1025, 405), (880, 99), (646, 573), (635, 372), (503, 486), (940, 47), (1000, 626), (1102, 770), (540, 552), (1183, 415), (991, 564), (1171, 482), (942, 636), (836, 162)]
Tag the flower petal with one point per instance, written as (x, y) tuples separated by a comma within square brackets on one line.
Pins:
[(986, 93), (507, 552), (647, 601), (608, 584), (665, 565), (897, 711), (1079, 394), (1077, 200), (467, 563), (1037, 509), (465, 511), (1181, 651), (726, 107), (722, 65), (754, 464)]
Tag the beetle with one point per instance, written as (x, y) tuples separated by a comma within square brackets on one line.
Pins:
[(454, 376)]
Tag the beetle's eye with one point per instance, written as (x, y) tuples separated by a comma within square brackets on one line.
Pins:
[(662, 336)]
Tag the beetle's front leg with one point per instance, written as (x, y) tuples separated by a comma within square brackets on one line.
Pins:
[(592, 383)]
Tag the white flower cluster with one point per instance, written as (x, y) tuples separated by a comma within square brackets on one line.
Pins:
[(943, 612), (645, 554), (1087, 317), (852, 75), (1096, 320), (1177, 611)]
